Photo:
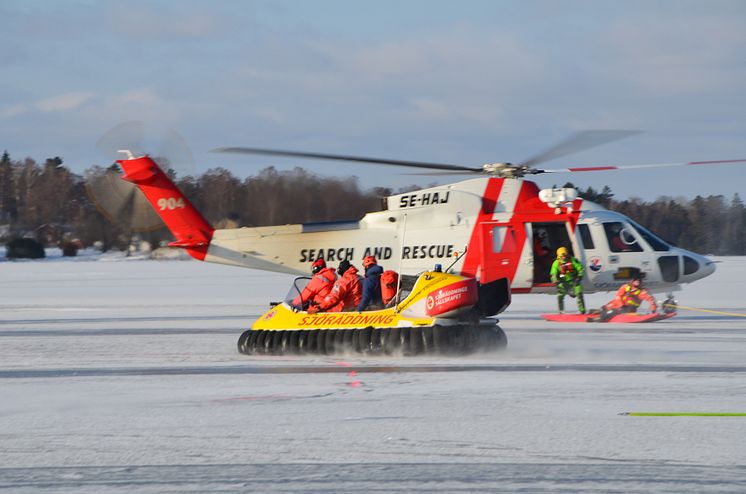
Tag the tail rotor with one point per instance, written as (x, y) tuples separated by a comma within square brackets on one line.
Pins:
[(121, 201)]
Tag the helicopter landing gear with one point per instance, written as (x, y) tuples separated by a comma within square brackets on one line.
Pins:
[(670, 304)]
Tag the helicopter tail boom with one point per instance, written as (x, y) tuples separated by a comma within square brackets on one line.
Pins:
[(191, 230)]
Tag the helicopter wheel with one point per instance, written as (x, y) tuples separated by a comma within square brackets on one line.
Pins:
[(670, 304)]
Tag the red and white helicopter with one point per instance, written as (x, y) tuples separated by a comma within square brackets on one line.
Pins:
[(496, 226)]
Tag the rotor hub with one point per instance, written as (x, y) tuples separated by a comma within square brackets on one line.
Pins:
[(504, 170)]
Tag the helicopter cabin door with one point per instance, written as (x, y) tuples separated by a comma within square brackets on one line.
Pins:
[(503, 254), (545, 239)]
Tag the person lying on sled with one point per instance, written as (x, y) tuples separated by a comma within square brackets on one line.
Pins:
[(628, 298)]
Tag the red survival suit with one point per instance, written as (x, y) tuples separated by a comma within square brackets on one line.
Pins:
[(628, 299), (318, 288), (345, 295)]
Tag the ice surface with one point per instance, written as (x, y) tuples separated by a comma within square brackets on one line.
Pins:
[(121, 375)]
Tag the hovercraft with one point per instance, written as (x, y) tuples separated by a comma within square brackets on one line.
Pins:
[(437, 313)]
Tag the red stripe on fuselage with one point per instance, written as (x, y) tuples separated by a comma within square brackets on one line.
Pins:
[(528, 208), (473, 257)]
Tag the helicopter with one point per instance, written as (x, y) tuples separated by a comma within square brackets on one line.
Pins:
[(497, 226), (497, 235)]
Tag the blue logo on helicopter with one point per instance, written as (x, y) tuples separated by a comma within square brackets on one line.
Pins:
[(594, 264)]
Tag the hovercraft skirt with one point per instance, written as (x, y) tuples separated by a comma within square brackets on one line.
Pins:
[(408, 341)]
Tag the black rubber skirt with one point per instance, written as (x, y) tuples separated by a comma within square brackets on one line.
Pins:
[(446, 340)]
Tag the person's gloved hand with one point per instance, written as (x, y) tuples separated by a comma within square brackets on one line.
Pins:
[(313, 309)]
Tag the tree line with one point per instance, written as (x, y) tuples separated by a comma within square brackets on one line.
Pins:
[(48, 202), (709, 225)]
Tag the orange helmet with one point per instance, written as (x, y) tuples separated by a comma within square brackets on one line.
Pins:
[(318, 265), (369, 261)]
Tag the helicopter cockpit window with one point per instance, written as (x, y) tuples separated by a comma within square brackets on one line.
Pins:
[(585, 236), (621, 238), (655, 242)]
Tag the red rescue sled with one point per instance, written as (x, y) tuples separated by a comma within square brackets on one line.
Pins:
[(630, 317)]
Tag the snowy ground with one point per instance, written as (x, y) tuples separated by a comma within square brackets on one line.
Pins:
[(123, 376)]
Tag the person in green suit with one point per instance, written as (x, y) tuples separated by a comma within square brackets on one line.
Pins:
[(567, 276)]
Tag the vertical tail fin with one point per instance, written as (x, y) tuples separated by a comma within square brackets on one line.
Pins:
[(190, 228)]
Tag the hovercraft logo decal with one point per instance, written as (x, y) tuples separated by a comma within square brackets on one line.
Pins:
[(269, 315), (454, 296)]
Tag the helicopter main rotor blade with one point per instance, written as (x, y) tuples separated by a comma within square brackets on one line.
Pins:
[(338, 157), (579, 142), (632, 167)]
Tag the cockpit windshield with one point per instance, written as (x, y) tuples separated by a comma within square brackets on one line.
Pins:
[(621, 237), (655, 242), (296, 289)]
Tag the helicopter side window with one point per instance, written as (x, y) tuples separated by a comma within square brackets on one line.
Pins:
[(656, 243), (621, 238), (585, 236), (503, 239)]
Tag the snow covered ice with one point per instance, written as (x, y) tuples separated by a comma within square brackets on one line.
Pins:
[(121, 375)]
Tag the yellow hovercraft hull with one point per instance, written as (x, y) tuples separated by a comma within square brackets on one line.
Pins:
[(436, 317)]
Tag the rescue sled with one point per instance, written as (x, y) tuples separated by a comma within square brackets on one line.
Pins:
[(437, 313), (629, 317)]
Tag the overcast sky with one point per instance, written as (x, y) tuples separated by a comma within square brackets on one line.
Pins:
[(466, 82)]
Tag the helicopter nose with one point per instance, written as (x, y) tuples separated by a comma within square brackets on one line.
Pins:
[(696, 266), (708, 267)]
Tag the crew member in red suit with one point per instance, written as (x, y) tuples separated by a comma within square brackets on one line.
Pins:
[(319, 287), (345, 294)]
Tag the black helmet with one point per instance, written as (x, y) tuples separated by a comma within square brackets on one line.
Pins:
[(343, 266)]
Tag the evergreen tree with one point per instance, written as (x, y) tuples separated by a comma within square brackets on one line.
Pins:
[(734, 234), (8, 206)]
